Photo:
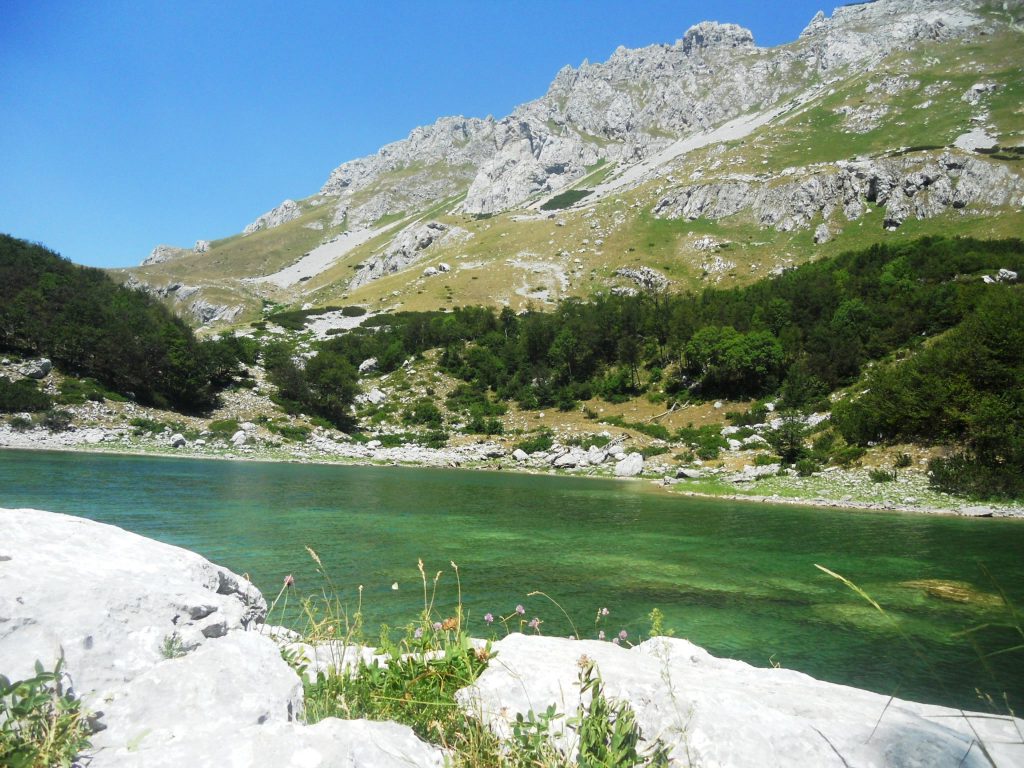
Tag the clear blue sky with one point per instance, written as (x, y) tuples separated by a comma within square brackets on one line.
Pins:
[(128, 124)]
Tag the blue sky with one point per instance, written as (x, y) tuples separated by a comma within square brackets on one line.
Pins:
[(128, 124)]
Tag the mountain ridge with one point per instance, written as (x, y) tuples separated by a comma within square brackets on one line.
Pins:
[(641, 118)]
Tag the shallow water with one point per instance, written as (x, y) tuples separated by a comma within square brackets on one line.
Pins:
[(737, 578)]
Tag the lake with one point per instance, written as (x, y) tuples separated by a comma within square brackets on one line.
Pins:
[(736, 578)]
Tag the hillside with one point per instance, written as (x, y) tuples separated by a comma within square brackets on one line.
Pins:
[(707, 161)]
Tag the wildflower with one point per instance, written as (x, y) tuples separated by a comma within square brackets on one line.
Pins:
[(450, 624), (603, 611), (623, 635), (520, 610), (289, 580), (418, 633), (394, 585), (615, 640), (600, 635), (534, 623), (436, 626), (489, 618)]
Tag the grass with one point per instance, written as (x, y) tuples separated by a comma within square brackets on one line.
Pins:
[(414, 680)]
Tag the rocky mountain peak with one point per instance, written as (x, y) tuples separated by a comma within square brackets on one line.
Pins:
[(711, 34)]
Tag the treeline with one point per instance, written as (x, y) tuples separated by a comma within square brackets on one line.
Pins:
[(90, 326), (798, 336), (801, 334)]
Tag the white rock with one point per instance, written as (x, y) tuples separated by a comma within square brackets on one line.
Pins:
[(520, 455), (721, 712), (368, 365), (238, 438), (596, 455), (178, 440), (109, 598), (37, 369), (631, 466), (430, 271)]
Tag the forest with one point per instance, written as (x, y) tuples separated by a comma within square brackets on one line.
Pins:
[(92, 327), (940, 348)]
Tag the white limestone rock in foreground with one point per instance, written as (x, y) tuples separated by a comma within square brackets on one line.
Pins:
[(720, 712), (109, 599)]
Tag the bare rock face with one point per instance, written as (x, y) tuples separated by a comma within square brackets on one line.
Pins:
[(919, 187), (285, 212), (164, 253), (408, 247), (721, 712)]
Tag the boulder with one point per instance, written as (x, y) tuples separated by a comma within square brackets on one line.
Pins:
[(631, 466), (220, 695), (689, 474), (238, 438), (178, 440), (520, 455), (722, 712), (596, 455), (37, 369), (108, 598), (368, 365)]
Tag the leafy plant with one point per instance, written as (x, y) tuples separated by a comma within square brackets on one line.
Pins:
[(40, 726), (879, 475)]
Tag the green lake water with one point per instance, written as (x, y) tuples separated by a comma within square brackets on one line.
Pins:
[(736, 578)]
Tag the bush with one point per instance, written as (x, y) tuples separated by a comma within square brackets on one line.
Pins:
[(223, 427), (56, 420), (807, 467), (539, 441), (20, 424), (764, 460), (22, 395), (903, 461), (423, 412), (879, 475), (40, 725), (296, 433), (143, 426)]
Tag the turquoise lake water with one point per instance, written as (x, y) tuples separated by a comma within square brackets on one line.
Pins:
[(736, 578)]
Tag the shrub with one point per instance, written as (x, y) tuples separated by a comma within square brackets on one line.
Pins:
[(144, 426), (807, 467), (903, 461), (20, 424), (56, 420), (423, 412), (293, 432), (764, 460), (223, 427), (22, 395), (40, 725), (879, 475), (539, 441)]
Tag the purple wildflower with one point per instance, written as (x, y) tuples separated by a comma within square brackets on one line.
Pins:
[(623, 635), (418, 633), (603, 611), (520, 610), (600, 635), (489, 618), (437, 626), (289, 580), (615, 640), (534, 623)]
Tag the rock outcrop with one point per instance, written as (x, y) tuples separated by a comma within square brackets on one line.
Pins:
[(285, 212), (164, 253), (165, 649), (720, 712), (408, 247), (908, 186)]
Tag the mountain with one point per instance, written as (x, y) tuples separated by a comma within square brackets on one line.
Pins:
[(710, 160)]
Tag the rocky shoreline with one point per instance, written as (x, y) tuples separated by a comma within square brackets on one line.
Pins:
[(490, 456)]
